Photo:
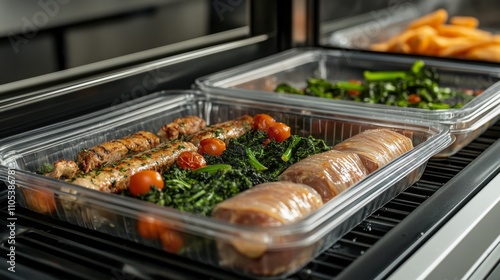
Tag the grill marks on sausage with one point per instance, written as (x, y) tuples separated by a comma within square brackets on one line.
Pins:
[(109, 152), (115, 178), (224, 131), (181, 127)]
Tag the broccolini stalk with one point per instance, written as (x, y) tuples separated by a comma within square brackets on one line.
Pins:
[(288, 153), (254, 162), (384, 75), (213, 168), (349, 86), (417, 66), (178, 182)]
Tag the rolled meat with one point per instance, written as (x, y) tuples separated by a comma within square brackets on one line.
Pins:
[(224, 130), (269, 204), (111, 151), (181, 127), (329, 173), (376, 147), (266, 205)]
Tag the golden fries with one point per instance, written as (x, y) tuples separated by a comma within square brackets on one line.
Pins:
[(470, 22), (437, 35)]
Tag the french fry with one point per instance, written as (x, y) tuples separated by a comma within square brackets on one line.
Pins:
[(392, 43), (490, 53), (432, 35), (460, 48), (470, 22), (421, 39), (461, 31), (433, 19)]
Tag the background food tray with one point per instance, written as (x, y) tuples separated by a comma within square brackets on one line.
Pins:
[(259, 78), (381, 25), (118, 215)]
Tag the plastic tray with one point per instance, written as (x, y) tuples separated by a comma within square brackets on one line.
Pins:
[(118, 215), (380, 26), (260, 78)]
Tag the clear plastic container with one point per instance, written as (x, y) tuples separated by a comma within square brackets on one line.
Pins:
[(260, 78), (381, 25), (199, 236)]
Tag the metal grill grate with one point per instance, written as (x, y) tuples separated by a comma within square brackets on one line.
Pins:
[(50, 249)]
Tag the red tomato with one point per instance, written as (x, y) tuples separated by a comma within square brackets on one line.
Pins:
[(262, 122), (413, 98), (149, 227), (279, 132), (41, 201), (141, 182), (212, 146), (171, 240), (191, 160)]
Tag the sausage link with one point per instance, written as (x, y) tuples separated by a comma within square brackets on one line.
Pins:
[(225, 130), (63, 169), (115, 178), (181, 127), (109, 152)]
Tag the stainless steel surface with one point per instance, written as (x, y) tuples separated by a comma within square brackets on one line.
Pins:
[(76, 33), (462, 244), (489, 266)]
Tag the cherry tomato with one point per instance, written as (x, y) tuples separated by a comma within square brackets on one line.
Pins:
[(149, 227), (279, 132), (212, 146), (353, 93), (40, 201), (414, 99), (191, 160), (141, 182), (262, 122), (171, 240)]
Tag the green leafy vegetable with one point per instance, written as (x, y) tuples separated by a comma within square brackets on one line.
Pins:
[(46, 168), (246, 162), (254, 162), (396, 88)]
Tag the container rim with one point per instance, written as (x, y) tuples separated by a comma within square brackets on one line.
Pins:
[(318, 223), (223, 81)]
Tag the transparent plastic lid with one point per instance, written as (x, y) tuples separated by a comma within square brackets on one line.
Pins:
[(295, 66)]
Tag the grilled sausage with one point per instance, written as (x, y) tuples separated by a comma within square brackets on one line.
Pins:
[(181, 127), (376, 147), (109, 152), (266, 205), (329, 173), (225, 130), (115, 178), (64, 169)]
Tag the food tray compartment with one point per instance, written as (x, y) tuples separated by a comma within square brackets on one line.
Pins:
[(259, 78), (201, 237), (383, 25)]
